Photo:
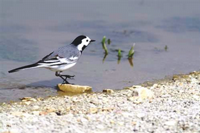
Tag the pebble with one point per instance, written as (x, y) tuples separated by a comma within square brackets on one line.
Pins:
[(171, 123), (108, 91)]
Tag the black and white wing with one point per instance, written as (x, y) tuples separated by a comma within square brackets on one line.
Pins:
[(64, 55)]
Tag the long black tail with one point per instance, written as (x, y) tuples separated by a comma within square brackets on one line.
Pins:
[(24, 67)]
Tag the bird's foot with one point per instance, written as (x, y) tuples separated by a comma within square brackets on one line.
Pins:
[(68, 76), (65, 77), (65, 82)]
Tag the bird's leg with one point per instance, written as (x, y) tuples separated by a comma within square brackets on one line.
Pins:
[(68, 76), (64, 77)]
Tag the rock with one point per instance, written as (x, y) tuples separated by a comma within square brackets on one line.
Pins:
[(36, 112), (35, 107), (135, 100), (74, 88), (93, 110), (171, 123), (108, 91), (140, 94), (133, 87), (26, 102), (28, 99), (17, 113), (143, 93), (141, 115)]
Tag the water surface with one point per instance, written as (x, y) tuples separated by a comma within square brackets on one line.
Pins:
[(29, 30)]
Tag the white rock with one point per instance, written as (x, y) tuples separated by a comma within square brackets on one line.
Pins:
[(171, 123)]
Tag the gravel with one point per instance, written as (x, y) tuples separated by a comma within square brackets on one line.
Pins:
[(175, 107)]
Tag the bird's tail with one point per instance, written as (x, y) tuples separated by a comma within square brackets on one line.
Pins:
[(35, 65)]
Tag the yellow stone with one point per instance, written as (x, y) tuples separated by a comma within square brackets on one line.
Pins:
[(74, 88), (93, 110)]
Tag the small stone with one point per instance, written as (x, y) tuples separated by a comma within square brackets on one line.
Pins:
[(17, 113), (36, 112), (43, 113), (171, 123), (28, 99), (143, 93), (74, 88), (196, 97), (141, 115), (108, 91), (93, 110), (27, 103), (35, 107), (140, 94)]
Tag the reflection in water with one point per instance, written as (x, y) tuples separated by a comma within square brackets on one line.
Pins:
[(105, 55), (130, 60), (166, 47)]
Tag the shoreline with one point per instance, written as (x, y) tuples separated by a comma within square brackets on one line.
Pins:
[(166, 105)]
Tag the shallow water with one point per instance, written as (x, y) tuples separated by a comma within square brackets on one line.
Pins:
[(29, 30)]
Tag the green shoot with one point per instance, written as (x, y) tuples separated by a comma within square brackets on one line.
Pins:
[(105, 48), (103, 40), (119, 56), (104, 45), (109, 41), (166, 48), (131, 51), (119, 53)]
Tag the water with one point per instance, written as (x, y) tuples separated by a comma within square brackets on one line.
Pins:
[(29, 30)]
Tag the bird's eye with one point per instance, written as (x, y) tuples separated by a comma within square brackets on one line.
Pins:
[(86, 40)]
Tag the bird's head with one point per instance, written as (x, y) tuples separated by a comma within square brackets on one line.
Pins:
[(81, 42)]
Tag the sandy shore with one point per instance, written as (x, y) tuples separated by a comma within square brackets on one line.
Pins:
[(171, 105)]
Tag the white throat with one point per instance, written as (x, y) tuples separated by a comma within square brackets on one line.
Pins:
[(80, 46)]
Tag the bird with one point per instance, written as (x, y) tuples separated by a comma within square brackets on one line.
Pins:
[(61, 59)]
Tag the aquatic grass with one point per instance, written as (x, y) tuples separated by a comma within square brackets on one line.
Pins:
[(119, 53), (130, 60), (119, 56), (104, 45), (166, 47), (109, 41), (104, 58), (131, 51), (103, 40)]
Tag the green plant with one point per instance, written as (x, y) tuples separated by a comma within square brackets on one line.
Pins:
[(104, 39), (119, 53), (104, 45), (109, 41), (131, 51), (166, 47)]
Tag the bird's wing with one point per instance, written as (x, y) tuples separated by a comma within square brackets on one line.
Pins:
[(64, 55)]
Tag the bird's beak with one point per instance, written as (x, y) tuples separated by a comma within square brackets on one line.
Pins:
[(92, 40)]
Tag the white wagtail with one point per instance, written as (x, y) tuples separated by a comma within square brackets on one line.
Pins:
[(62, 59)]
